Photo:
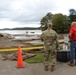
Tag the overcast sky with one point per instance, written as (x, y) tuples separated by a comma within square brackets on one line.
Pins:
[(28, 13)]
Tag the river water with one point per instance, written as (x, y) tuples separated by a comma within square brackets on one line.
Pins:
[(21, 33)]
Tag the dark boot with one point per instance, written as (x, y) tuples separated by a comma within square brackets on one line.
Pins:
[(46, 68), (52, 67), (70, 64), (75, 61)]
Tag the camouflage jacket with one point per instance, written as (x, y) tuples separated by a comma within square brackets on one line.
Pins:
[(50, 39)]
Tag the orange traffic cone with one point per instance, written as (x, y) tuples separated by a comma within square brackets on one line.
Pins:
[(20, 63)]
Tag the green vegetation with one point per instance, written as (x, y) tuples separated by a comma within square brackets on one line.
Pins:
[(72, 15), (39, 58), (61, 23), (44, 21)]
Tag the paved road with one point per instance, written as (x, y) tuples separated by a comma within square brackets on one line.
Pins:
[(8, 68)]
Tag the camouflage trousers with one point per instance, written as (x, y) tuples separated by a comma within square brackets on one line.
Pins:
[(49, 57)]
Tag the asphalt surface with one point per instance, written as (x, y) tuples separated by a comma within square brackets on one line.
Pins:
[(8, 67)]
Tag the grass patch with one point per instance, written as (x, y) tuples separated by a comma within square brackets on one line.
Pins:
[(39, 58)]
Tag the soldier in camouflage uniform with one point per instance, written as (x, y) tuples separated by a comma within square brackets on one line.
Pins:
[(50, 39)]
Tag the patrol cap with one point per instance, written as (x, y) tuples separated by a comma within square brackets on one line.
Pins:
[(50, 23)]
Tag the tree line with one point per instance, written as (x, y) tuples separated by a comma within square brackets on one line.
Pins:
[(61, 23)]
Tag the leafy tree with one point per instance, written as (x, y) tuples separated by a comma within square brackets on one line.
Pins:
[(72, 15), (47, 18), (59, 23), (43, 23)]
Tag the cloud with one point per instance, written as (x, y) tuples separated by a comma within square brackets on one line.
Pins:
[(25, 10), (12, 24)]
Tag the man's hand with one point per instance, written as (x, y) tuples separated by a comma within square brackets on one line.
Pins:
[(57, 48)]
